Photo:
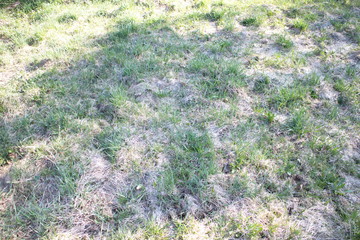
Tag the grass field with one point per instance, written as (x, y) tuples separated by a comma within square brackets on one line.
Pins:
[(180, 119)]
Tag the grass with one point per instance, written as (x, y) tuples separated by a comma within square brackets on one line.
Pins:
[(301, 25), (284, 42), (67, 18), (251, 21), (200, 119), (299, 123)]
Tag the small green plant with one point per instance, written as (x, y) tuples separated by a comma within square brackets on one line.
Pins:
[(215, 14), (2, 107), (270, 13), (34, 40), (192, 162), (270, 117), (262, 84), (119, 96), (67, 18), (103, 13), (109, 141), (224, 44), (338, 25), (340, 85), (312, 80), (294, 13), (5, 145), (343, 99), (284, 42), (301, 25), (124, 29), (298, 123), (251, 21), (314, 94), (219, 77), (221, 46), (288, 97), (350, 71)]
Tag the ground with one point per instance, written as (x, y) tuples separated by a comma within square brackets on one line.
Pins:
[(186, 119)]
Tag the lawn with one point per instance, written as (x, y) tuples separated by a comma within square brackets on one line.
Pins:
[(180, 119)]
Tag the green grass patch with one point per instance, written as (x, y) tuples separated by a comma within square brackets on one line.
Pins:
[(219, 78), (284, 42), (301, 25), (299, 123), (251, 21), (192, 162), (110, 141), (67, 18)]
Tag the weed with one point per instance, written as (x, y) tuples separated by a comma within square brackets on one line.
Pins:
[(270, 117), (343, 99), (262, 84), (338, 25), (192, 161), (340, 85), (5, 144), (215, 14), (299, 123), (67, 18), (350, 71), (251, 21), (288, 97), (109, 141), (301, 25), (34, 40), (247, 155), (284, 42), (294, 13), (221, 46), (221, 77), (119, 97), (124, 29)]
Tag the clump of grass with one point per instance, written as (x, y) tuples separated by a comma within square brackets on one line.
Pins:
[(2, 107), (192, 162), (355, 34), (251, 21), (288, 97), (34, 40), (301, 25), (339, 25), (350, 71), (284, 42), (215, 14), (119, 96), (262, 84), (103, 13), (312, 80), (340, 85), (5, 144), (124, 29), (343, 99), (221, 46), (270, 117), (67, 18), (247, 154), (220, 77), (294, 13), (299, 123), (109, 141)]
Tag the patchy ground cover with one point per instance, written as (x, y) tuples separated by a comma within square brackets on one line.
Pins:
[(179, 119)]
